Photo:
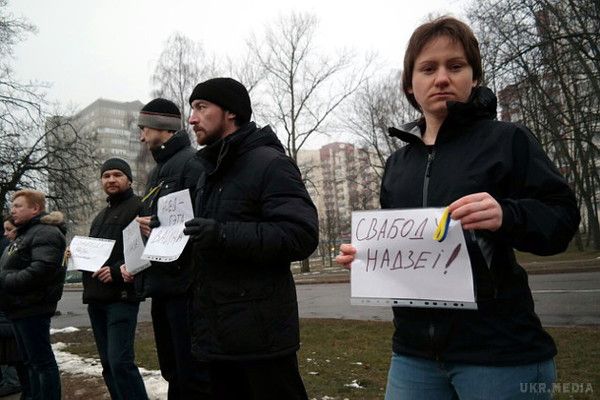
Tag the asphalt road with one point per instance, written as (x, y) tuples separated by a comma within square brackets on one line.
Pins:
[(560, 299)]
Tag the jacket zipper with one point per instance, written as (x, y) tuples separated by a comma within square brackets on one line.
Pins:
[(430, 158)]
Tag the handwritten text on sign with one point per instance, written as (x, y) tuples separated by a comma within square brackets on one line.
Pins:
[(397, 257), (166, 242), (133, 248), (89, 254)]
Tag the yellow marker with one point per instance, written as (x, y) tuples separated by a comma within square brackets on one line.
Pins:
[(442, 229)]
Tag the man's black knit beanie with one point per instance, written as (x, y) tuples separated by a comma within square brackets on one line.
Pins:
[(228, 94), (116, 163), (161, 114)]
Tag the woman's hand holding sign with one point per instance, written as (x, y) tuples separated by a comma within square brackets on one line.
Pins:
[(346, 256), (477, 211)]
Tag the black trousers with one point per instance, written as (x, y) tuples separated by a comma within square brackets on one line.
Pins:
[(271, 379), (188, 378)]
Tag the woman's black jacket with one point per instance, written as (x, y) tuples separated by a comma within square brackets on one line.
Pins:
[(474, 153)]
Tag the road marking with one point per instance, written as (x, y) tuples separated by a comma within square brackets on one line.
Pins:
[(566, 291)]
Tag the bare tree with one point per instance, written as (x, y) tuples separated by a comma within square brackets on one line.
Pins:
[(37, 149), (303, 87), (378, 105), (544, 56), (182, 64)]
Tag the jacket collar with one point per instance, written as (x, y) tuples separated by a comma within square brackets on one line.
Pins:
[(178, 141), (117, 198), (217, 155), (480, 105)]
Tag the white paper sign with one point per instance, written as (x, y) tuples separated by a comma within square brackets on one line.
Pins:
[(166, 242), (397, 259), (133, 248), (89, 254)]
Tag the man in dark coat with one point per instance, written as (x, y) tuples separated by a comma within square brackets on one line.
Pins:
[(254, 216), (32, 275), (168, 283), (112, 303)]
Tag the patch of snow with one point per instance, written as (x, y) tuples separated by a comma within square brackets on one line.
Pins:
[(354, 385), (68, 329), (156, 386), (313, 373), (357, 363)]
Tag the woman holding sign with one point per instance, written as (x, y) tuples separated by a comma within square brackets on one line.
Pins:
[(496, 180)]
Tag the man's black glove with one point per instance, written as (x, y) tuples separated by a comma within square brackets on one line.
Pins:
[(206, 233), (154, 222)]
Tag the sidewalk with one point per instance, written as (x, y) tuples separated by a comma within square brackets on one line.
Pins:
[(340, 275)]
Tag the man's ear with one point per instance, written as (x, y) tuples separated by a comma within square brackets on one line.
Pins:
[(36, 208), (230, 116)]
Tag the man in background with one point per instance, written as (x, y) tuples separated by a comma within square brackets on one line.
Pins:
[(168, 283), (112, 303), (32, 275)]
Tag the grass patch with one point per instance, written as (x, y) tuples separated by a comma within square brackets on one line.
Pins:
[(336, 353)]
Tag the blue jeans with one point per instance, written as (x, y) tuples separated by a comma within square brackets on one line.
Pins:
[(419, 378), (114, 330), (33, 341)]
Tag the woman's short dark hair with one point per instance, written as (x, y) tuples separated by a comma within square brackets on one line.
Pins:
[(446, 26)]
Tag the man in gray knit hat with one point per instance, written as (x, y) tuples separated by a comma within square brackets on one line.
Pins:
[(168, 283)]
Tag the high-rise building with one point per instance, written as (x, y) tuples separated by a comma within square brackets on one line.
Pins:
[(340, 179), (112, 128)]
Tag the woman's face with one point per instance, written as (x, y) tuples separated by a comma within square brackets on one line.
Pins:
[(441, 73), (10, 231)]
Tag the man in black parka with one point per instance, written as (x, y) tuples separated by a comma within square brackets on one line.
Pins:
[(254, 216), (168, 283), (32, 275), (112, 304)]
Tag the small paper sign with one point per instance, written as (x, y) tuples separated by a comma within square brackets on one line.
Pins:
[(89, 254), (166, 242), (133, 248)]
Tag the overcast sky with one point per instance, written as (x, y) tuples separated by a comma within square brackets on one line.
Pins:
[(88, 49)]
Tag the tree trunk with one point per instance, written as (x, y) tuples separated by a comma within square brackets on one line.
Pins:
[(305, 265)]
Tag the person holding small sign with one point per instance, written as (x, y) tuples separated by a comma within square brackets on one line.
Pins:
[(169, 283), (112, 303), (497, 181)]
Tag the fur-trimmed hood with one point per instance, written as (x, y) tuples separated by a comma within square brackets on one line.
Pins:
[(54, 218)]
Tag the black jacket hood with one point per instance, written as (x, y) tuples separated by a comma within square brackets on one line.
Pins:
[(179, 140), (481, 105)]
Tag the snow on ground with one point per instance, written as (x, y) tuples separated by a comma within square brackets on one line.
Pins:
[(73, 364), (354, 384), (68, 329)]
